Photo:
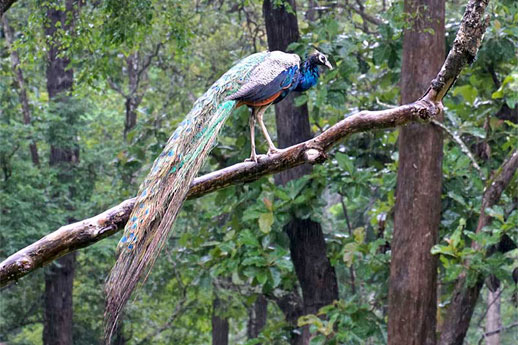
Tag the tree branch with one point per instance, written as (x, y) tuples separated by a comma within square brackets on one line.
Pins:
[(465, 48), (22, 91), (496, 331), (463, 146), (78, 235), (365, 16), (464, 296), (84, 233), (4, 5)]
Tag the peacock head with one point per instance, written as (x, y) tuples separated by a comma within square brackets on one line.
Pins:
[(317, 58)]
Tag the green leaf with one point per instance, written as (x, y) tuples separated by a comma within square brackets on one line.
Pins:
[(261, 276), (344, 162), (303, 99), (468, 92), (475, 131), (236, 279), (265, 222), (255, 260), (359, 235), (349, 250), (496, 212), (318, 340), (276, 275), (456, 197), (246, 237)]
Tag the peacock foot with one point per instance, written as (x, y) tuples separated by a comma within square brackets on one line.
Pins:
[(253, 158), (274, 150)]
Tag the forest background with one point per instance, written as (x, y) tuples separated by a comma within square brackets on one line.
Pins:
[(91, 90)]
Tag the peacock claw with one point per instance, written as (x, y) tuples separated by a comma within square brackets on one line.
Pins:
[(253, 158), (274, 150), (256, 158)]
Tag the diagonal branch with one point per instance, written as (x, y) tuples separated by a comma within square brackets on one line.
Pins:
[(463, 146), (496, 331), (464, 296), (4, 5), (465, 47), (79, 235), (84, 233), (365, 16)]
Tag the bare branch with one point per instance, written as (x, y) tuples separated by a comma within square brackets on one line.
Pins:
[(503, 328), (463, 146), (84, 233), (81, 234), (495, 188), (465, 47), (116, 87), (148, 61), (455, 138), (365, 16)]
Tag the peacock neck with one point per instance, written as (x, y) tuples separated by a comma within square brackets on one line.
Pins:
[(308, 75)]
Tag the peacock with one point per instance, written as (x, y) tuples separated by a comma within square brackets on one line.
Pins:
[(256, 81)]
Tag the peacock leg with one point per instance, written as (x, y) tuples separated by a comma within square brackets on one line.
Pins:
[(271, 147), (253, 155)]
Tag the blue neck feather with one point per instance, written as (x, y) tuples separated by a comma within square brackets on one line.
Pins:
[(308, 76)]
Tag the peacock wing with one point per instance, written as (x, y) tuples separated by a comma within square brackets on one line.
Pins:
[(278, 72)]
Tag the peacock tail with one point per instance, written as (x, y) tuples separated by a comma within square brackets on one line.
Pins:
[(163, 191), (257, 81)]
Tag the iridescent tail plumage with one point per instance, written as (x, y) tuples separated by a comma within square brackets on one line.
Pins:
[(162, 193)]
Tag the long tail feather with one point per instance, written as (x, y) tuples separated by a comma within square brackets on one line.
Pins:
[(164, 189)]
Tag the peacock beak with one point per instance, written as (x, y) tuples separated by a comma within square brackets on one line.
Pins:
[(328, 65)]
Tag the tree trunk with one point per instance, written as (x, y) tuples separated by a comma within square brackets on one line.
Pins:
[(311, 12), (493, 319), (59, 278), (119, 338), (5, 4), (133, 97), (220, 325), (413, 270), (58, 301), (316, 276), (22, 90), (257, 316)]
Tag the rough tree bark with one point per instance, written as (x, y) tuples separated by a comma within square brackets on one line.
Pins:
[(316, 276), (133, 100), (58, 302), (493, 319), (257, 315), (413, 269), (220, 326), (58, 313), (22, 90)]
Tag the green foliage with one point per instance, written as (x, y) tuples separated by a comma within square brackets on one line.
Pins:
[(231, 243)]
